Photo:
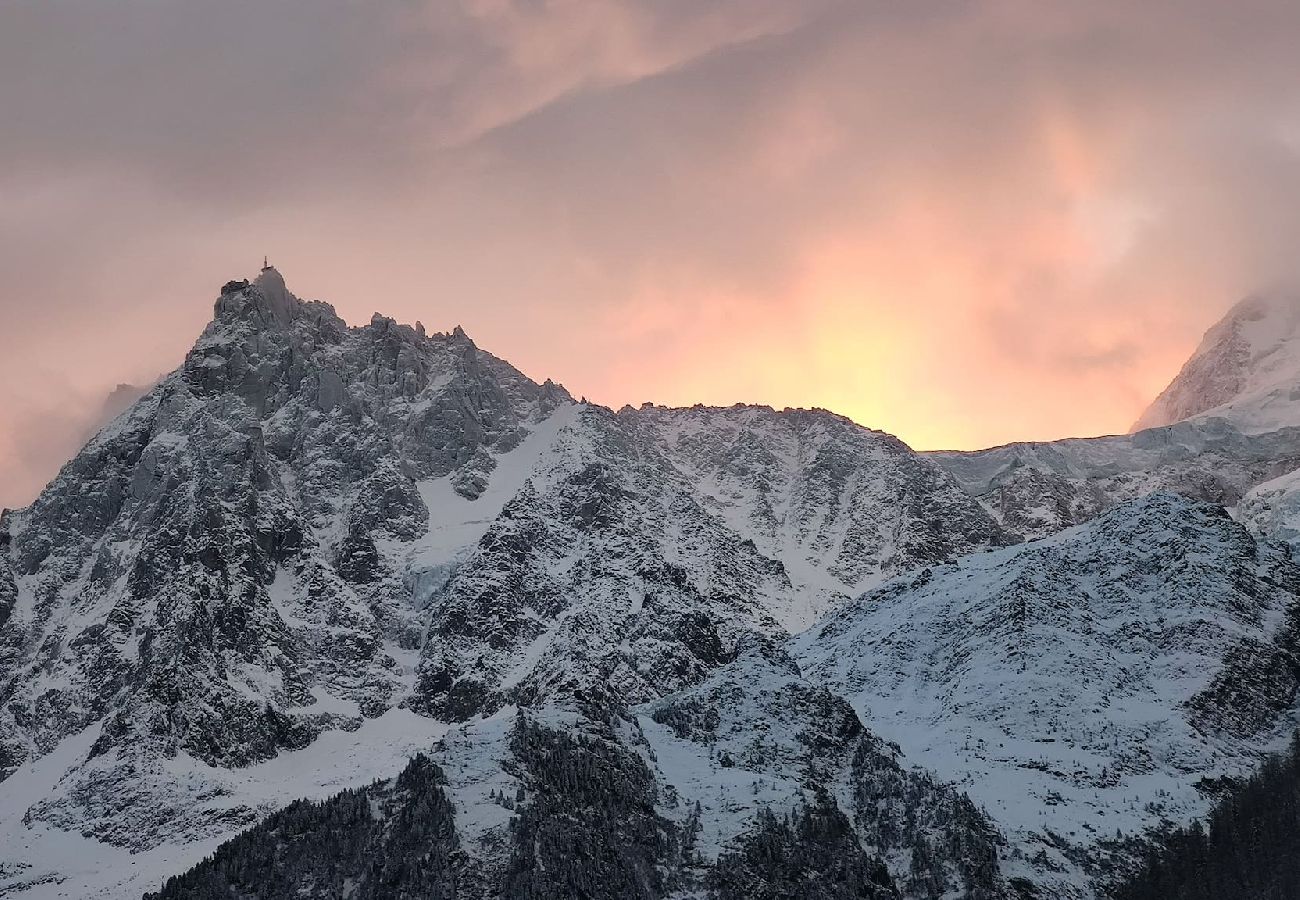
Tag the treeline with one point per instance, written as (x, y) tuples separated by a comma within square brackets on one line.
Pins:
[(812, 854), (389, 841), (1248, 849), (586, 826)]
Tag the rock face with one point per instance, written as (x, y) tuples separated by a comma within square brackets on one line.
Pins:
[(1082, 684), (311, 530), (1247, 369)]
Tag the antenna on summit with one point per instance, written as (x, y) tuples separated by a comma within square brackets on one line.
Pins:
[(265, 265)]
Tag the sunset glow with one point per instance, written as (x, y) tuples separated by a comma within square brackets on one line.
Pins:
[(965, 225)]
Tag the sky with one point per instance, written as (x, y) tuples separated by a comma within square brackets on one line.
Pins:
[(966, 223)]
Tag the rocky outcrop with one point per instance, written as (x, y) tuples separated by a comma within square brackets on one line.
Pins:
[(209, 577)]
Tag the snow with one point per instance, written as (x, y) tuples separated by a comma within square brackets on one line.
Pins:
[(456, 524)]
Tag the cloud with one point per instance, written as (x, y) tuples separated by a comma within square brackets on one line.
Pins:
[(939, 218), (42, 433)]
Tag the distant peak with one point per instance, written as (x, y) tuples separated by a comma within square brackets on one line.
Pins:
[(1246, 368)]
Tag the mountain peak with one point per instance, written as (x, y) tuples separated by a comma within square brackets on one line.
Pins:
[(1246, 369), (265, 301)]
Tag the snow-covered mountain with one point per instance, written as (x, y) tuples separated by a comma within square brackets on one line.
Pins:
[(1083, 687), (807, 486), (313, 549), (1246, 369)]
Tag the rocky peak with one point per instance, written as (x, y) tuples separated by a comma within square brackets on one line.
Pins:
[(265, 302)]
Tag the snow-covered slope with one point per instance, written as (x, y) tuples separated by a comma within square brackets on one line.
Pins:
[(1084, 686), (1246, 369), (310, 528)]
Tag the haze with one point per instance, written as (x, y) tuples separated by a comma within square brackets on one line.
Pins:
[(963, 223)]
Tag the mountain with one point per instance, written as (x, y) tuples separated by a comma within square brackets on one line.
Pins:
[(1246, 369), (819, 492), (314, 550), (1225, 430), (1084, 687)]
